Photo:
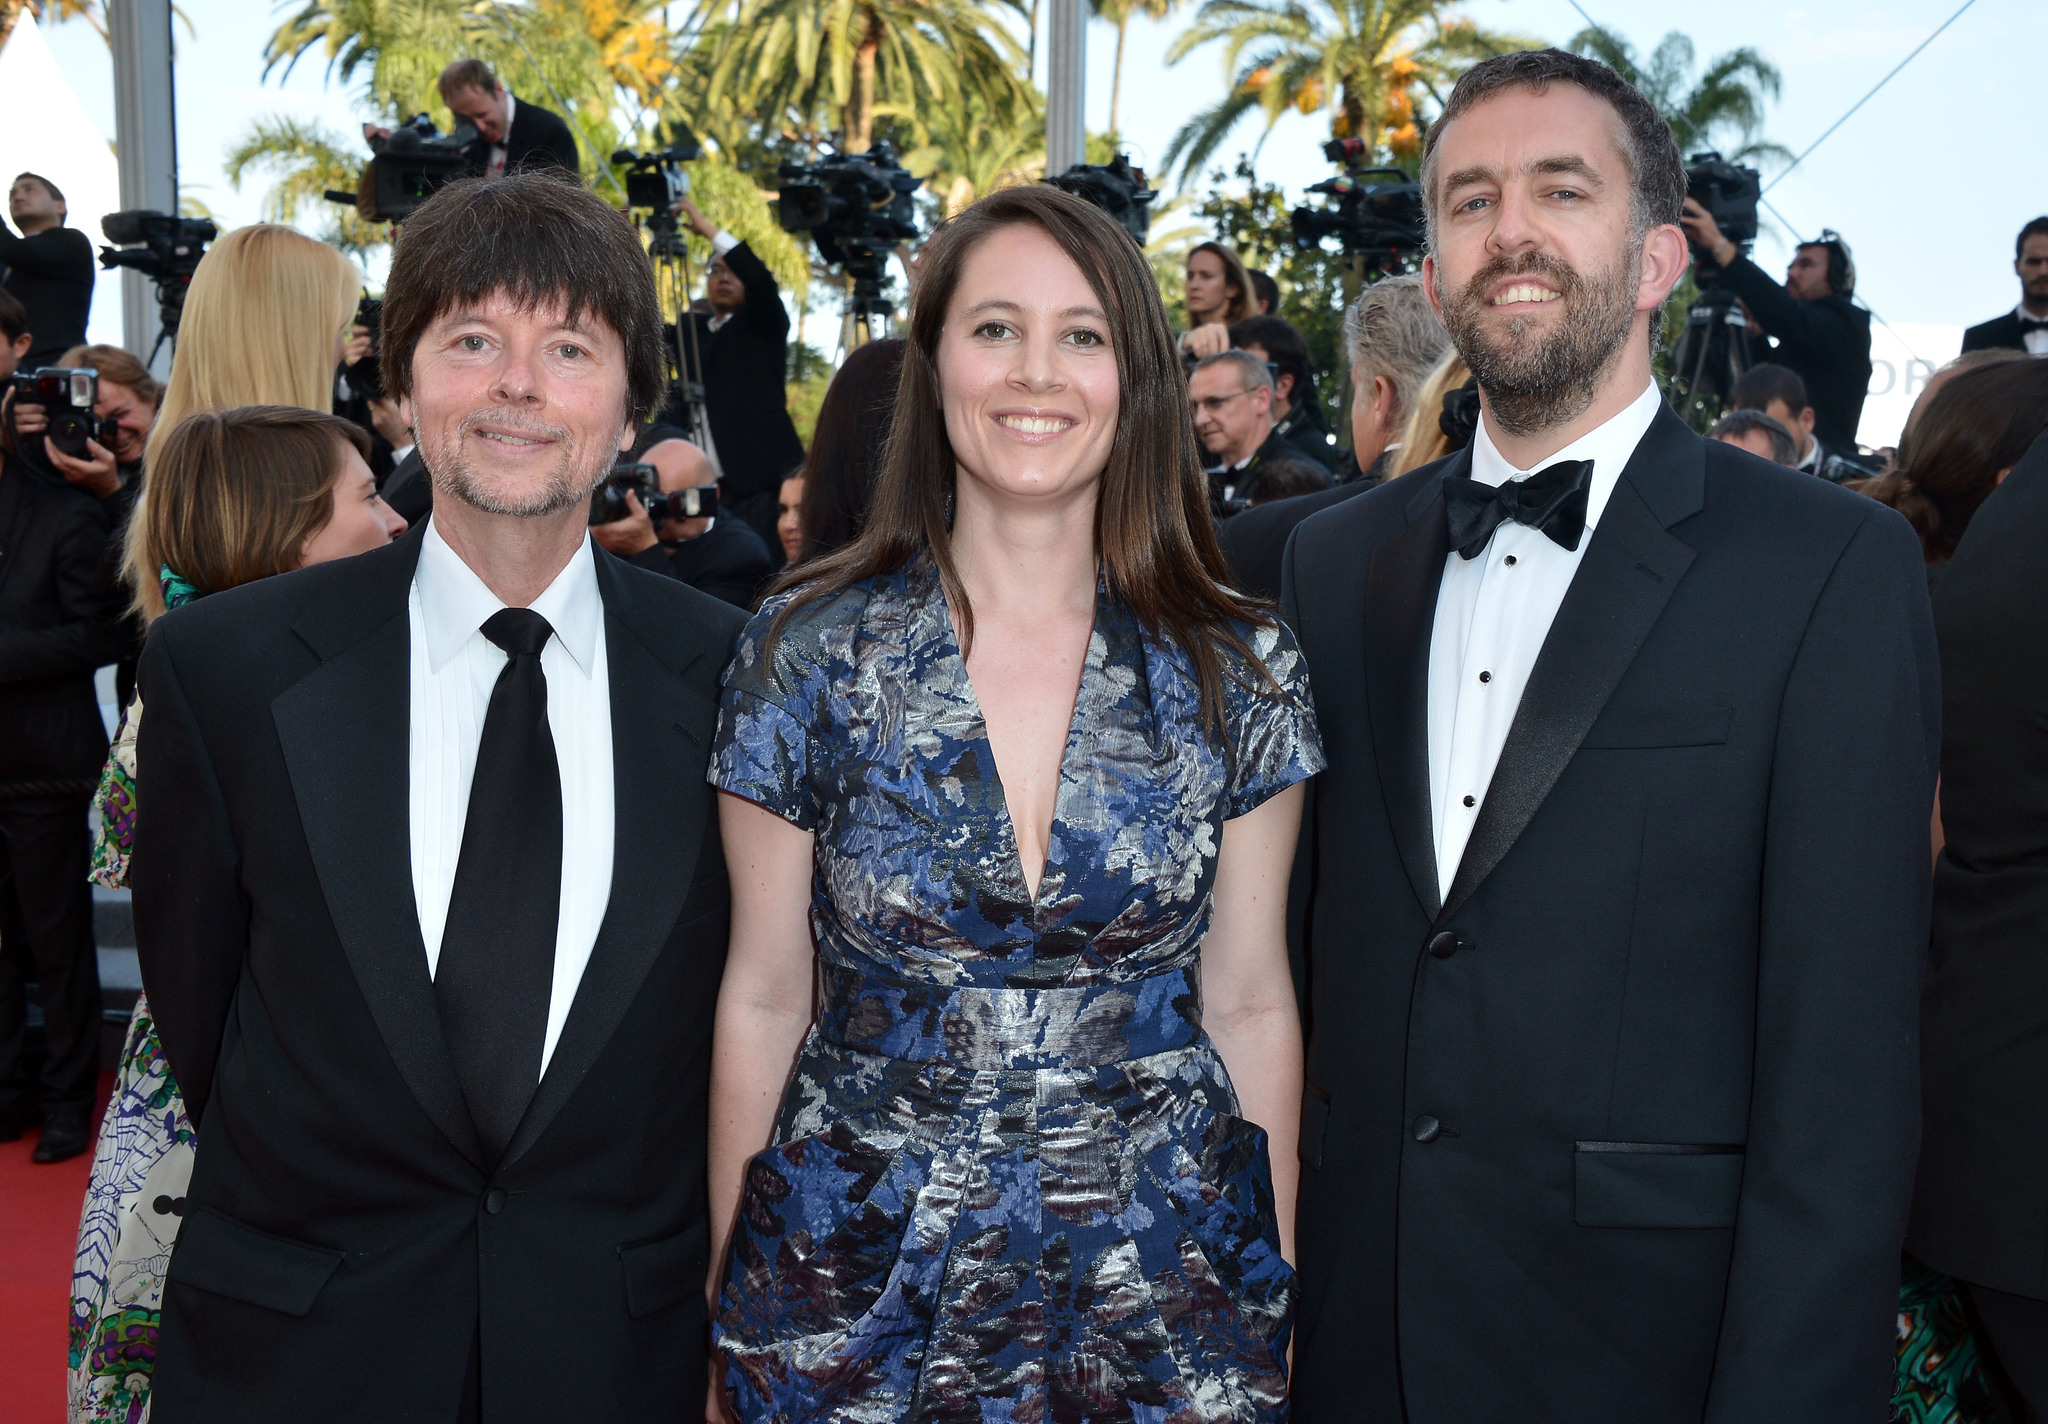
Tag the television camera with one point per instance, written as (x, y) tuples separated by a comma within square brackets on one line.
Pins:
[(1717, 345), (856, 207), (1375, 214), (163, 248), (1116, 188), (406, 167)]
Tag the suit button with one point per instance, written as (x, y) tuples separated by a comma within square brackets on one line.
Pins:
[(1443, 944), (494, 1200), (1426, 1128)]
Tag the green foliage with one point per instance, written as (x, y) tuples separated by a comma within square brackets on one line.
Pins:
[(1256, 223), (306, 159), (1724, 107)]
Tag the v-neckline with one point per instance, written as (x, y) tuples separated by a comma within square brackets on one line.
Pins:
[(1032, 893)]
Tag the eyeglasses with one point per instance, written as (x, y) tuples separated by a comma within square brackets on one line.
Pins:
[(1213, 405)]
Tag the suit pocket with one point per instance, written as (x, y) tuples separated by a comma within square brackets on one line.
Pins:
[(1315, 1121), (1661, 727), (218, 1254), (1656, 1184), (664, 1274)]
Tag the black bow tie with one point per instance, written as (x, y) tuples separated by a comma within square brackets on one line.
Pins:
[(1553, 500), (2034, 323)]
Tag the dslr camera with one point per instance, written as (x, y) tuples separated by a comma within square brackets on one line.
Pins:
[(1730, 192), (406, 169), (855, 206), (1116, 188), (161, 247), (68, 394), (1375, 213), (608, 501)]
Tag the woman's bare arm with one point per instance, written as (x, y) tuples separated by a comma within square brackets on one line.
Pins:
[(1248, 1003)]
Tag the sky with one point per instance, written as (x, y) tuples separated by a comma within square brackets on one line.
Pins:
[(1928, 182)]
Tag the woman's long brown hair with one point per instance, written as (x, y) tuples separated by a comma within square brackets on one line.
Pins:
[(1153, 534)]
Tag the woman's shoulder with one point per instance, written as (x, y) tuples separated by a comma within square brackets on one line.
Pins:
[(806, 631), (1264, 657)]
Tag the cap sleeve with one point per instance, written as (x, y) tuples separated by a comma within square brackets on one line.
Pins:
[(1273, 738), (767, 715)]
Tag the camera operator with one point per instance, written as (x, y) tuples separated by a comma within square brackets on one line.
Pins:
[(716, 554), (2025, 327), (743, 343), (1231, 396), (49, 268), (510, 135), (1297, 414), (60, 620), (1821, 334)]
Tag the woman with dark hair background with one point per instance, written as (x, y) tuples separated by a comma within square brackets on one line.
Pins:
[(1959, 447), (838, 472), (1015, 777), (1218, 295)]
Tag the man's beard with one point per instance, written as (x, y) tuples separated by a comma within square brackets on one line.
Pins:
[(1532, 383), (568, 483)]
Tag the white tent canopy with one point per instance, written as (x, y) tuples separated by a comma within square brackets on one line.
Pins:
[(65, 146)]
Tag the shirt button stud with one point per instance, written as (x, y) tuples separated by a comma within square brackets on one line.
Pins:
[(1471, 801), (1486, 677), (1426, 1128), (1509, 561), (494, 1200)]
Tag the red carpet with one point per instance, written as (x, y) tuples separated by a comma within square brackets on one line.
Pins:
[(38, 1235)]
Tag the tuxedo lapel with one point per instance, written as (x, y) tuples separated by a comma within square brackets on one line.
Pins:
[(1630, 570), (661, 732), (345, 730), (1400, 614)]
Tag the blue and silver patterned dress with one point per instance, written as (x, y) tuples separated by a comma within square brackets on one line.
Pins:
[(1009, 1182)]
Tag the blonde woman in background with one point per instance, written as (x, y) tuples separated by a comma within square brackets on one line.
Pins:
[(1423, 437), (266, 318)]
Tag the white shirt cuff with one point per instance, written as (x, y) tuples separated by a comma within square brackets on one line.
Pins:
[(723, 242)]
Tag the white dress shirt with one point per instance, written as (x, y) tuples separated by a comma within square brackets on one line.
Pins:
[(1492, 615), (2034, 339), (454, 668), (494, 167)]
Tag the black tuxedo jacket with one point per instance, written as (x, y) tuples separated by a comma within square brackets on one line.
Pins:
[(1978, 1212), (2000, 331), (1255, 539), (744, 366), (1624, 1129), (727, 561), (345, 1245), (408, 490), (60, 619), (538, 138)]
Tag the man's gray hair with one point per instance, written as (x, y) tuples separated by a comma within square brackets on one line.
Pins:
[(1254, 372), (1390, 331)]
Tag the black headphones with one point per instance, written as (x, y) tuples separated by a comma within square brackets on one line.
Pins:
[(1841, 265)]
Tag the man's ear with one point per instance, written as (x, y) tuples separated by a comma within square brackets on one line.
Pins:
[(626, 438), (1283, 386), (22, 344), (1429, 286), (1806, 420)]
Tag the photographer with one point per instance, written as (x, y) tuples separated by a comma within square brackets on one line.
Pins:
[(2025, 327), (509, 135), (742, 344), (49, 268), (1231, 397), (109, 470), (717, 555), (1820, 333), (1297, 414)]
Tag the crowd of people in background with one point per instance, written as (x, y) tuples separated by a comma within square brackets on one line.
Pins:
[(278, 443)]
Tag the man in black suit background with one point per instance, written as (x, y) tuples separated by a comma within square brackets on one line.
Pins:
[(429, 894), (1613, 1105), (510, 134), (1393, 341), (739, 350), (2025, 327), (49, 269)]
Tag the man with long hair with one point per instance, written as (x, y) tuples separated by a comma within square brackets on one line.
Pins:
[(428, 895), (1612, 1086)]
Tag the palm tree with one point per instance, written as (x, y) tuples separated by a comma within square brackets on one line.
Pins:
[(818, 65), (56, 12), (1118, 13), (969, 152), (308, 160), (1725, 104), (1370, 62)]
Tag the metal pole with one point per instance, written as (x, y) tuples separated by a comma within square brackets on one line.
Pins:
[(146, 145), (1066, 86)]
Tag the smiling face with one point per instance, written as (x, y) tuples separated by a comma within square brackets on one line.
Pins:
[(518, 412), (1208, 288), (132, 414), (484, 110), (1537, 270), (1027, 378)]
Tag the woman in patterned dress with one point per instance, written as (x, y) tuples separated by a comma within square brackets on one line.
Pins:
[(1015, 777), (238, 496)]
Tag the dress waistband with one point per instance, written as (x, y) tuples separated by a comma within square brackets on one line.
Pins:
[(1084, 1026)]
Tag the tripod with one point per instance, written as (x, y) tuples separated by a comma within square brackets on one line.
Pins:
[(867, 310), (1716, 349), (671, 255)]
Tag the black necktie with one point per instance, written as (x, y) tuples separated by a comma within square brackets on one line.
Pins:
[(497, 966), (1553, 500)]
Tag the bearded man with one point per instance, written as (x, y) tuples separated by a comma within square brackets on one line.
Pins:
[(429, 897), (1612, 1104)]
